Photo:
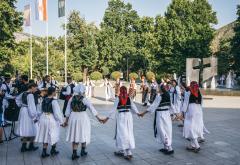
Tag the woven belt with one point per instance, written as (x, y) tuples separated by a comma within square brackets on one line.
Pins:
[(123, 111), (162, 109)]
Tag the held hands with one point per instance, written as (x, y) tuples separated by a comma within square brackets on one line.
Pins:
[(142, 114)]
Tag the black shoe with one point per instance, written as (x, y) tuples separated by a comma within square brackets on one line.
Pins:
[(169, 152), (45, 154), (24, 147), (118, 153), (145, 104), (196, 150), (163, 150), (201, 140), (1, 141), (32, 147), (75, 156), (54, 151), (83, 152)]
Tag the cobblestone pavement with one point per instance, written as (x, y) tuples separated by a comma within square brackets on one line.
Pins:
[(222, 146)]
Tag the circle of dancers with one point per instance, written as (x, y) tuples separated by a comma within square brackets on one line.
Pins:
[(40, 116)]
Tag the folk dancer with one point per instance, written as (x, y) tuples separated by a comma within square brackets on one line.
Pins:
[(79, 129), (28, 118), (193, 123), (89, 88), (132, 89), (123, 109), (153, 90), (117, 86), (145, 91), (47, 82), (175, 93), (49, 123), (67, 92), (162, 120), (108, 89)]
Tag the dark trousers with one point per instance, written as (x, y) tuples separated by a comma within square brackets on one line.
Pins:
[(65, 107)]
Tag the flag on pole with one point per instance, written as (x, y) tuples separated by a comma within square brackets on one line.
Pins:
[(26, 15), (61, 8), (41, 10)]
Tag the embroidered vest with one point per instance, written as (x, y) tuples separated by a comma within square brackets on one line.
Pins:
[(47, 105), (77, 104), (124, 107)]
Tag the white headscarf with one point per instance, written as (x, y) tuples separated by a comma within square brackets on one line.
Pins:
[(79, 89)]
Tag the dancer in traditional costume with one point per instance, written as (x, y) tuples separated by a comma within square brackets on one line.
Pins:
[(117, 86), (108, 89), (28, 118), (145, 91), (175, 93), (153, 90), (132, 89), (47, 82), (79, 129), (123, 109), (193, 123), (162, 120), (49, 123), (89, 88)]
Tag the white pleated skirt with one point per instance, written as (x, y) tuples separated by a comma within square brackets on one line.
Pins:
[(49, 129), (164, 128), (124, 133), (26, 125), (193, 123), (79, 128)]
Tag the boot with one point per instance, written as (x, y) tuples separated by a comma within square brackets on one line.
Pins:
[(83, 151), (24, 147), (54, 151), (74, 155), (32, 147), (44, 153)]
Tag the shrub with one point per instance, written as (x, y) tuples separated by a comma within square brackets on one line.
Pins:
[(133, 75), (77, 76), (116, 74), (105, 71), (150, 75), (96, 75)]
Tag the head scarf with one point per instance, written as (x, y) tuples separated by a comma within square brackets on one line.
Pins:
[(123, 97), (194, 88), (79, 89)]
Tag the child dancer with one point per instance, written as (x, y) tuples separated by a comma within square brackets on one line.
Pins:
[(162, 120), (123, 106), (133, 89), (79, 130), (50, 121)]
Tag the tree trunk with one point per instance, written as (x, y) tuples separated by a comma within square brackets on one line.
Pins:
[(85, 72)]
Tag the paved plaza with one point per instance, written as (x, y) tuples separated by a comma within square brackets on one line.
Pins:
[(222, 146)]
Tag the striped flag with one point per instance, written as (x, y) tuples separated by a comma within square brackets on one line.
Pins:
[(41, 10), (61, 8), (26, 15)]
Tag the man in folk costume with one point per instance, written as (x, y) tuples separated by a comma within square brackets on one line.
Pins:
[(162, 120), (79, 126), (6, 88), (153, 90), (175, 93), (28, 118), (67, 92), (50, 121), (133, 89), (117, 87), (47, 82), (145, 90), (193, 123), (108, 89), (123, 109)]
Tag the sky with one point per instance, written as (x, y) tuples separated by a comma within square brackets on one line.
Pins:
[(93, 11)]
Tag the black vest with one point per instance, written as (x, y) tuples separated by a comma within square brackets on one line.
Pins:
[(124, 107), (194, 99), (24, 98), (8, 89), (47, 105), (77, 104), (165, 100)]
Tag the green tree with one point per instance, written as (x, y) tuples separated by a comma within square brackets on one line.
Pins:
[(10, 22), (82, 43), (236, 43)]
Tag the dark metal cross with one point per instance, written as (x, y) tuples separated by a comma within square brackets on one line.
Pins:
[(201, 67)]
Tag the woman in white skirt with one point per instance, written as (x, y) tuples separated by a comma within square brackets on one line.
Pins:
[(125, 141), (193, 123), (108, 89), (28, 118), (79, 129), (50, 121), (162, 120)]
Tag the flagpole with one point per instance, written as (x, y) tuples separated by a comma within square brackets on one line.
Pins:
[(31, 65), (65, 52), (47, 41)]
